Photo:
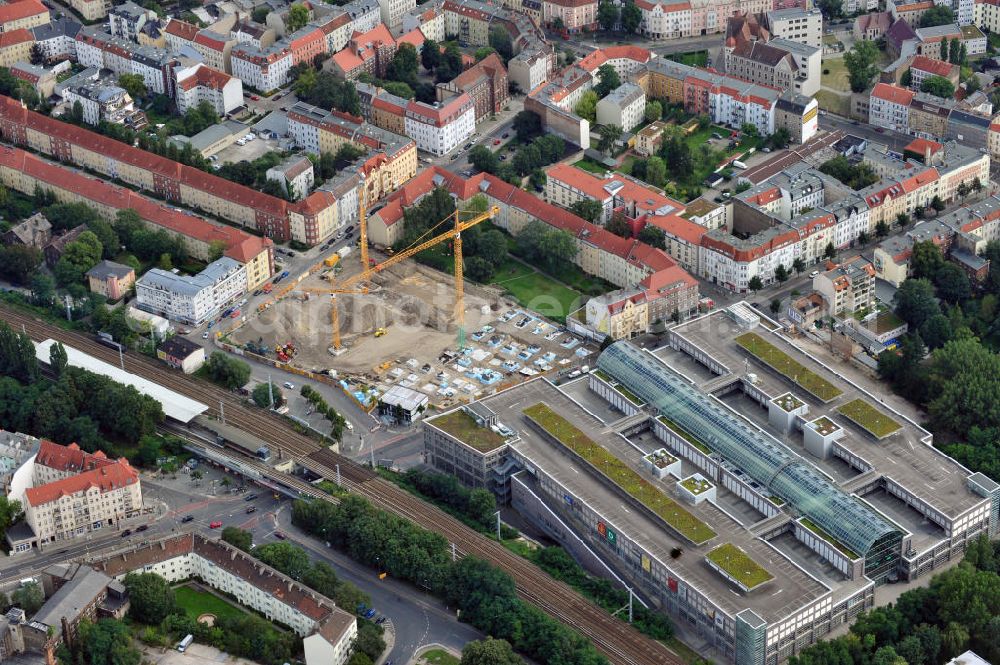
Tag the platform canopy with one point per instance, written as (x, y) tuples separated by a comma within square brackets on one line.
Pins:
[(175, 406)]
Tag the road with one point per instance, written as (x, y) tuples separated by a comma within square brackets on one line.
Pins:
[(894, 140)]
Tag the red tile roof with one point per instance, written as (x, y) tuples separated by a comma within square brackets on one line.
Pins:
[(182, 29), (595, 59), (15, 37), (21, 10), (932, 65), (414, 37), (206, 77), (919, 146), (683, 229), (105, 478), (893, 93), (69, 458)]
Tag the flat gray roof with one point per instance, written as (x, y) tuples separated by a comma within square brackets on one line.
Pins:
[(906, 456), (72, 597), (791, 588)]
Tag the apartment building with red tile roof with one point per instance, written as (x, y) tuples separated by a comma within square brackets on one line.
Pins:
[(485, 82), (369, 52), (23, 14), (328, 631), (233, 202)]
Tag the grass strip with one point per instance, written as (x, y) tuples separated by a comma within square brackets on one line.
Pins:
[(788, 367)]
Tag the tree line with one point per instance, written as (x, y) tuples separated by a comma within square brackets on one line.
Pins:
[(485, 595), (959, 610)]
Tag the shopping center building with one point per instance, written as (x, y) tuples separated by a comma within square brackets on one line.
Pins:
[(729, 477)]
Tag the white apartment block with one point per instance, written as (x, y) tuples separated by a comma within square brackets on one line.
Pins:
[(73, 492), (204, 84), (264, 70), (624, 106), (798, 25), (328, 631), (391, 12), (440, 128), (664, 21), (848, 288), (100, 102), (889, 107), (192, 300)]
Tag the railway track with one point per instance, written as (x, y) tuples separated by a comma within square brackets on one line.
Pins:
[(617, 640)]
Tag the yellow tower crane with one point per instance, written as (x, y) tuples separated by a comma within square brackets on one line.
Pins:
[(454, 233)]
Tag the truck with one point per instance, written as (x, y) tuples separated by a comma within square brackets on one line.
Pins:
[(185, 643), (738, 164), (331, 261), (344, 251)]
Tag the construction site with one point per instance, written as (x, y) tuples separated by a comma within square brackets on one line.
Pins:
[(399, 323)]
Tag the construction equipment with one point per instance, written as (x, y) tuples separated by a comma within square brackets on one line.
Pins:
[(454, 234), (380, 331), (331, 260)]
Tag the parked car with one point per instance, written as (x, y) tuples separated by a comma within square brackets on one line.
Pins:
[(279, 535), (126, 533), (289, 385), (496, 141), (251, 509), (284, 274), (814, 273), (204, 335), (250, 497), (187, 518), (505, 134), (370, 613), (141, 528), (215, 525), (235, 314)]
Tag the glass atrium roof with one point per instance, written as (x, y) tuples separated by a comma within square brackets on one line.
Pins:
[(762, 457)]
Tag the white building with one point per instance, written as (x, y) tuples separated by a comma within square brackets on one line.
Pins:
[(624, 106), (889, 107), (295, 174), (204, 84), (17, 458), (127, 19), (798, 25), (74, 492), (328, 631), (392, 12), (848, 288), (95, 48), (440, 128), (663, 20), (57, 40), (262, 69), (192, 300), (100, 102)]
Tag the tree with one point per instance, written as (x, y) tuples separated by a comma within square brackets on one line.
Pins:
[(937, 15), (500, 41), (238, 538), (404, 65), (263, 393), (586, 107), (926, 259), (77, 258), (781, 273), (19, 262), (656, 171), (134, 85), (528, 125), (915, 302), (855, 176), (952, 283), (631, 17), (653, 236), (945, 53), (937, 203), (936, 331), (653, 111), (489, 652), (938, 86), (798, 265), (151, 598), (17, 355), (290, 559), (227, 372), (484, 159), (619, 225), (588, 209), (545, 246), (10, 512), (780, 138), (297, 18), (902, 219), (881, 229), (831, 9), (107, 642), (607, 15), (610, 134), (861, 62), (755, 284), (829, 251), (43, 289), (430, 55), (608, 80), (775, 306), (29, 597), (58, 359), (483, 52)]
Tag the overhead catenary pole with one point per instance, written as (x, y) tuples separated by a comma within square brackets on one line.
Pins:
[(270, 390), (121, 356), (222, 412), (338, 476), (498, 526)]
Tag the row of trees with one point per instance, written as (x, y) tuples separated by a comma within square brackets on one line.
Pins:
[(528, 159), (611, 16), (227, 371), (485, 596), (77, 406), (475, 505), (337, 420), (959, 610)]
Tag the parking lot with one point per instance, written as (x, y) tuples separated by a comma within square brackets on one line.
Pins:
[(249, 152)]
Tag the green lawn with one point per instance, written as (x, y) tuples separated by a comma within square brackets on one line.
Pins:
[(834, 103), (785, 365), (692, 58), (838, 78), (738, 565), (195, 603), (588, 164), (537, 292), (438, 657), (620, 473), (463, 427), (867, 416)]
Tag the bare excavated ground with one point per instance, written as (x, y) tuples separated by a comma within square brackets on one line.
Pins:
[(413, 303)]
